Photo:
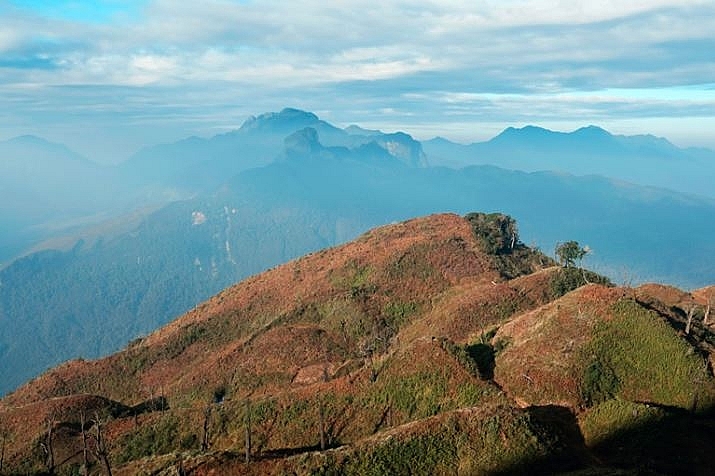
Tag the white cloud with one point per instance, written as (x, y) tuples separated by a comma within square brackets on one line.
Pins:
[(453, 58)]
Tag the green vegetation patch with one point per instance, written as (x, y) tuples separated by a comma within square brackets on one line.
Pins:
[(477, 359), (355, 278), (501, 440), (496, 233), (638, 357), (397, 312), (567, 279), (601, 422), (414, 263), (649, 439), (424, 454), (161, 437)]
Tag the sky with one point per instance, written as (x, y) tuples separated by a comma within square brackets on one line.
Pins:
[(107, 77)]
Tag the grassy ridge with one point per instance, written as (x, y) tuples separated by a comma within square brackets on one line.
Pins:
[(637, 356)]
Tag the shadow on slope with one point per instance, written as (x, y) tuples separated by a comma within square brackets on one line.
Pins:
[(653, 439)]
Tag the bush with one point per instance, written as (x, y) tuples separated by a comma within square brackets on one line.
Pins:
[(599, 384), (496, 232), (566, 280)]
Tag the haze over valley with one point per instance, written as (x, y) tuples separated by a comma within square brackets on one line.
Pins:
[(255, 237), (210, 212)]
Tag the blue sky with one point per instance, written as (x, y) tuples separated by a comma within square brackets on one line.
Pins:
[(107, 77)]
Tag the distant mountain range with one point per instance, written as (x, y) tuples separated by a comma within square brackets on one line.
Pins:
[(286, 184), (642, 159), (51, 191)]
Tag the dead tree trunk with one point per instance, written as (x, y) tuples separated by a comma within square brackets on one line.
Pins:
[(373, 372), (707, 314), (344, 332), (248, 430), (321, 412), (47, 447), (585, 277), (85, 448), (205, 438), (101, 452), (691, 312), (2, 451)]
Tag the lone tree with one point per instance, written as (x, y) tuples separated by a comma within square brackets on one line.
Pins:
[(570, 252)]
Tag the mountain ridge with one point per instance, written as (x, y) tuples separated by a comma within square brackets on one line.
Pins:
[(591, 150)]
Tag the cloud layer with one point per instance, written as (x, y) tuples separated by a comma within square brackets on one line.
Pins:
[(133, 71)]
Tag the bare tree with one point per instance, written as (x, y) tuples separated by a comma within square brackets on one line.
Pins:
[(4, 435), (248, 430), (46, 445), (321, 412), (85, 448), (344, 332), (707, 309), (691, 313), (205, 437), (367, 351), (100, 445)]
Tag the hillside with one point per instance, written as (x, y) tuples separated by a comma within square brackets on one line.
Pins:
[(124, 283), (439, 345)]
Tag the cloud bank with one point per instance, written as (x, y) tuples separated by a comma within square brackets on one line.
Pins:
[(143, 71)]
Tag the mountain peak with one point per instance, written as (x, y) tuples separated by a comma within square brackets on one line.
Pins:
[(527, 132), (403, 147), (302, 142), (38, 147), (287, 119), (292, 113), (592, 131)]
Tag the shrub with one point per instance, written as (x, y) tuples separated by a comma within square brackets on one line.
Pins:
[(566, 280), (600, 383), (496, 232)]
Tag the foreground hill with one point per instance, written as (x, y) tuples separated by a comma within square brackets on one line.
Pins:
[(440, 345)]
